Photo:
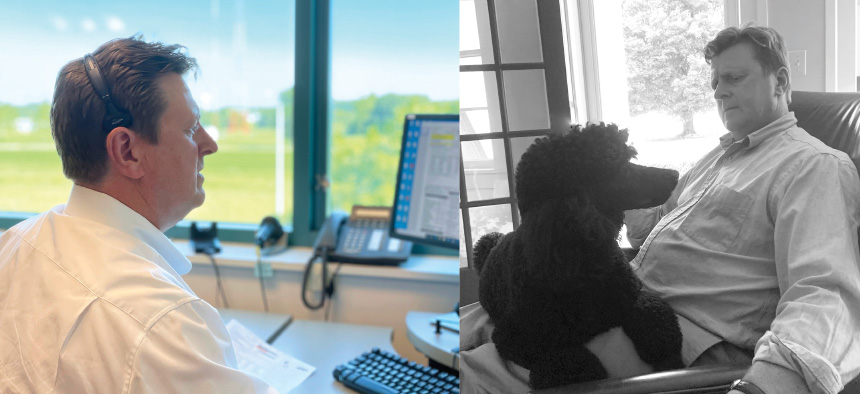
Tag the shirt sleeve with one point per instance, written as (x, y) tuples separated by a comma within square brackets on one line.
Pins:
[(815, 211), (188, 350)]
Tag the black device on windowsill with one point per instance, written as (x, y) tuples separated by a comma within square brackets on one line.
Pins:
[(268, 233), (205, 240)]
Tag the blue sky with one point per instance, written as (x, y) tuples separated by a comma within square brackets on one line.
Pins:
[(245, 48)]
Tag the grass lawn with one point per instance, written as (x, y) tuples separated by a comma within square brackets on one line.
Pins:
[(240, 184)]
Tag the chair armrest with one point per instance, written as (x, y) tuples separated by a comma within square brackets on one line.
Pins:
[(706, 379)]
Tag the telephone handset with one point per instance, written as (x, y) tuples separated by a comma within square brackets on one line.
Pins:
[(360, 238)]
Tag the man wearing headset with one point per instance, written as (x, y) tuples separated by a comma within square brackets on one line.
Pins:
[(91, 297)]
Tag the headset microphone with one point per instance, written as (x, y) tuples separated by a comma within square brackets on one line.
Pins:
[(114, 117), (269, 232)]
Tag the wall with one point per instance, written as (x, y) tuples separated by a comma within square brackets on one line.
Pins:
[(801, 23), (807, 25), (846, 14)]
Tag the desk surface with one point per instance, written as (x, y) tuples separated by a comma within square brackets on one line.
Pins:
[(327, 345), (267, 326), (438, 347)]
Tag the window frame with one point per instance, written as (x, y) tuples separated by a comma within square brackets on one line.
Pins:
[(311, 123), (553, 65)]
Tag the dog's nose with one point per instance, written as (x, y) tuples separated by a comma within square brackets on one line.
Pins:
[(671, 175)]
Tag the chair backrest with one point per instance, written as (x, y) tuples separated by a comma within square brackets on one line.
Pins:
[(833, 118)]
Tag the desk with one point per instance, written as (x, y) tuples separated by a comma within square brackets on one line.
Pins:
[(437, 347), (264, 325), (327, 345)]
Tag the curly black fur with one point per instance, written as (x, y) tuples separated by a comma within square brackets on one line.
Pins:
[(560, 279)]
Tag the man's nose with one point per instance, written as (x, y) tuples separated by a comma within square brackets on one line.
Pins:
[(720, 93), (208, 145)]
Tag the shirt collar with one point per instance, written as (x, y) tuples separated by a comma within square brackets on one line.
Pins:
[(755, 138), (102, 208)]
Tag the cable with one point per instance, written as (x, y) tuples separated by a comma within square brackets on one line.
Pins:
[(262, 285), (329, 290), (219, 287), (323, 255)]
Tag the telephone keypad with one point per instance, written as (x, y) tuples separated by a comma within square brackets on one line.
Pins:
[(358, 232)]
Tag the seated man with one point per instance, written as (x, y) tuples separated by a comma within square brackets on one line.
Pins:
[(757, 248), (91, 297)]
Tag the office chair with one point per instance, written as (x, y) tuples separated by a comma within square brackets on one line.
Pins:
[(833, 118)]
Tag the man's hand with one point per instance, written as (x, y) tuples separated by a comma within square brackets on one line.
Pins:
[(774, 379)]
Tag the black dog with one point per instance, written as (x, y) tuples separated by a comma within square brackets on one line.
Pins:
[(561, 279)]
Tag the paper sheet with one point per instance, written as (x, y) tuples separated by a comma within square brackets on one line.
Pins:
[(257, 357)]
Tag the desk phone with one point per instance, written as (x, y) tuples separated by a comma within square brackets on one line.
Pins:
[(363, 237)]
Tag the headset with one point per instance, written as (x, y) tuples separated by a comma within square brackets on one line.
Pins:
[(114, 117)]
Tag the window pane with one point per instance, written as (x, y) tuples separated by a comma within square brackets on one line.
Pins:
[(485, 168), (525, 95), (656, 80), (476, 45), (389, 58), (519, 31), (489, 219), (479, 103), (243, 88)]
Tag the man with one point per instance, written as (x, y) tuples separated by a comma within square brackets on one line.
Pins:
[(91, 298), (757, 251)]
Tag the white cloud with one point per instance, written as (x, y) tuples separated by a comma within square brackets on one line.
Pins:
[(59, 23), (115, 24), (88, 25)]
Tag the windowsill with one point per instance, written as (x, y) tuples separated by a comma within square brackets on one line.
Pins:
[(428, 268)]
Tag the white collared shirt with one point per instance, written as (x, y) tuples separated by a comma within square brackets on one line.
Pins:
[(758, 247), (91, 301)]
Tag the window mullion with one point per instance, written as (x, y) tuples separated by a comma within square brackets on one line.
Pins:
[(311, 119)]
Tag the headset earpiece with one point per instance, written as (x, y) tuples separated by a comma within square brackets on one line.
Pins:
[(114, 117)]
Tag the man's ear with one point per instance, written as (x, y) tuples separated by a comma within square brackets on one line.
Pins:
[(125, 152), (783, 81)]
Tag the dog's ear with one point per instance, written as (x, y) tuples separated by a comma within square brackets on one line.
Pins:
[(483, 247)]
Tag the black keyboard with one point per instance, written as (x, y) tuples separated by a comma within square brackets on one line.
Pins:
[(381, 372)]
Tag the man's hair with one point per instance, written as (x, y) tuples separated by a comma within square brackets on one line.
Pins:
[(767, 45), (131, 68)]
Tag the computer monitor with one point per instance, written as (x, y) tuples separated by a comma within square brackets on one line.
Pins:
[(427, 198)]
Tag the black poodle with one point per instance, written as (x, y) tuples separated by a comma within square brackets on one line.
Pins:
[(561, 279)]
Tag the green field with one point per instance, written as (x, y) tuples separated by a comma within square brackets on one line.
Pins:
[(240, 184), (240, 177)]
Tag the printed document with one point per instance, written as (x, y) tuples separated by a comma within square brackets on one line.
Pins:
[(257, 357)]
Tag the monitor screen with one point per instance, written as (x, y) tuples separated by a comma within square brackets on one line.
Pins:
[(427, 198)]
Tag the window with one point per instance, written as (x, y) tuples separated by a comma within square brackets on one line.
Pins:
[(629, 62), (650, 74), (508, 62), (243, 88), (389, 58), (299, 95)]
